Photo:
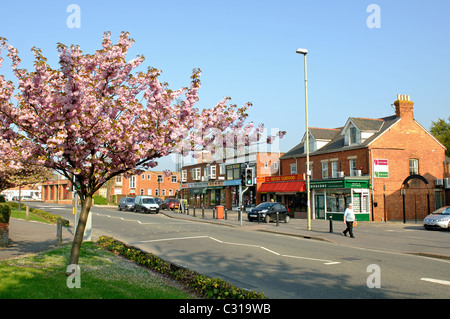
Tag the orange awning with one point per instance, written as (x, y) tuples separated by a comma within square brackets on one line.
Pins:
[(283, 187)]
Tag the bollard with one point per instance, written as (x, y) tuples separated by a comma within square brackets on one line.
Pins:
[(203, 212), (214, 213), (187, 211), (226, 217), (27, 214), (331, 223), (59, 232), (193, 211), (278, 220)]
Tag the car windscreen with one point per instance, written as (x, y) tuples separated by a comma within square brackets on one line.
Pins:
[(264, 205), (442, 211), (445, 211), (148, 201), (130, 200)]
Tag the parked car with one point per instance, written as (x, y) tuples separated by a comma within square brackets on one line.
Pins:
[(146, 204), (126, 203), (158, 201), (170, 203), (267, 212), (438, 219)]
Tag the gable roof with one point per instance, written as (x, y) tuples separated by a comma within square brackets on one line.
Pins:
[(378, 126)]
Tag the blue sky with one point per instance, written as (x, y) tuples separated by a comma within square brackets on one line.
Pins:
[(246, 50)]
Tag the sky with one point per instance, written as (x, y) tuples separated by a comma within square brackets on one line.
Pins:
[(361, 54)]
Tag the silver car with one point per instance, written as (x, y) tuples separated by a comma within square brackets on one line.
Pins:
[(438, 219)]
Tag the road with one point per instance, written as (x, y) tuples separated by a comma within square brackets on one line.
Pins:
[(281, 266)]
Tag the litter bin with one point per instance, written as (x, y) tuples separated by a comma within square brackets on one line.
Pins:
[(220, 210)]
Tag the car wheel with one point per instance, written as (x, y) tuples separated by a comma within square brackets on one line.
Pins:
[(120, 209), (267, 219), (287, 219)]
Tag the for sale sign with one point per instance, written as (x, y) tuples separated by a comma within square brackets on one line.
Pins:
[(381, 168)]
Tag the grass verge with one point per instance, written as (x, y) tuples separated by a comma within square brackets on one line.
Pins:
[(21, 214), (103, 276)]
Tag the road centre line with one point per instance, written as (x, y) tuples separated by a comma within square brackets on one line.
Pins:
[(125, 219), (325, 262)]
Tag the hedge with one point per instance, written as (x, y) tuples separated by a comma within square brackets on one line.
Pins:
[(5, 213), (211, 288)]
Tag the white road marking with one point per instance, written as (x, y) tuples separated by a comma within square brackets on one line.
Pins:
[(436, 281), (324, 261)]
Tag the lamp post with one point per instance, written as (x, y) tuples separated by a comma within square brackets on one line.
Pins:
[(308, 172)]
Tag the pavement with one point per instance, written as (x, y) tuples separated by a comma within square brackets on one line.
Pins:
[(29, 237)]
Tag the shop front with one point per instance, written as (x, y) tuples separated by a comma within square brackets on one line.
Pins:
[(331, 197), (287, 189)]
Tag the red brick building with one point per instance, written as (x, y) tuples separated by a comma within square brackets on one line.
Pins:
[(212, 183), (151, 183), (387, 167)]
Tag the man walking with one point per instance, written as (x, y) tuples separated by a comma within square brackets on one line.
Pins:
[(349, 218)]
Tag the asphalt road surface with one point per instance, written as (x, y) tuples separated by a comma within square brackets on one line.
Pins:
[(281, 266)]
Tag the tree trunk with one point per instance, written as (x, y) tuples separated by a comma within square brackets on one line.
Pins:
[(78, 239)]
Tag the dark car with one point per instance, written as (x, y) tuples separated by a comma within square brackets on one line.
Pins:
[(158, 201), (170, 203), (268, 212), (126, 203)]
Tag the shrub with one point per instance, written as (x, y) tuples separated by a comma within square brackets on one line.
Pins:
[(5, 213), (212, 288)]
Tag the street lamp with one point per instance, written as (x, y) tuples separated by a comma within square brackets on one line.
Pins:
[(308, 172)]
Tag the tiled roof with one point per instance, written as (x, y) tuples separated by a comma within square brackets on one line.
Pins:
[(377, 126)]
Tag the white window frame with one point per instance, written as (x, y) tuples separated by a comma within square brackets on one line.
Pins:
[(352, 166), (325, 169), (334, 169), (133, 181), (212, 172), (293, 168)]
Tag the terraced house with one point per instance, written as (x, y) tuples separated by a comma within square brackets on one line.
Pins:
[(390, 168)]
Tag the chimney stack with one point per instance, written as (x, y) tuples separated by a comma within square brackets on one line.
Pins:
[(404, 107)]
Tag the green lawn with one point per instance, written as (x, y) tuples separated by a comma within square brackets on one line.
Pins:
[(103, 276)]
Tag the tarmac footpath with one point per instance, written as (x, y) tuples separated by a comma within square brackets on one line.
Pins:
[(29, 237)]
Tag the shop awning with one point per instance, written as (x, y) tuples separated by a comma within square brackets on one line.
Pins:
[(283, 187)]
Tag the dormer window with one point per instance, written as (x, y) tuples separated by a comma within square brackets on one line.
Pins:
[(352, 135)]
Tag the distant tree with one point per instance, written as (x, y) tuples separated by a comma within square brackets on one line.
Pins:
[(441, 130)]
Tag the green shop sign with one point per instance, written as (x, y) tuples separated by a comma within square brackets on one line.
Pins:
[(342, 183)]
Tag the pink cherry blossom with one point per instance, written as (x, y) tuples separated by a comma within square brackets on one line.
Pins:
[(96, 116)]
